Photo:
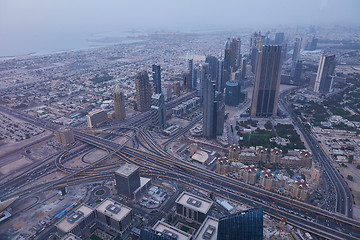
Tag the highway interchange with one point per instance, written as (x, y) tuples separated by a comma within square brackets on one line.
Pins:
[(155, 161)]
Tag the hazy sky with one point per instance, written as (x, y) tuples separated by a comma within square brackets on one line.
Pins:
[(24, 20)]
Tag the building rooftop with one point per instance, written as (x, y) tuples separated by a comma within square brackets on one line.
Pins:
[(194, 202), (126, 170), (172, 231), (208, 229), (70, 236), (70, 221), (113, 209)]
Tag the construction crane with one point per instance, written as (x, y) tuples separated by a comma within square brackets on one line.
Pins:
[(282, 219)]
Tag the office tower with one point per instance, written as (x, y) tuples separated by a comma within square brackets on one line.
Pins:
[(192, 208), (213, 110), (220, 83), (267, 82), (235, 55), (254, 55), (325, 74), (297, 47), (279, 38), (151, 234), (219, 116), (65, 136), (311, 44), (156, 72), (127, 179), (284, 51), (191, 84), (96, 117), (259, 41), (177, 88), (213, 65), (204, 75), (171, 231), (243, 68), (227, 70), (232, 93), (113, 214), (143, 91), (297, 73), (119, 103), (209, 109), (242, 225), (158, 110)]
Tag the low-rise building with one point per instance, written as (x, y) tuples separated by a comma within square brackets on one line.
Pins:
[(96, 118), (77, 221), (208, 229), (192, 208), (114, 215), (171, 231)]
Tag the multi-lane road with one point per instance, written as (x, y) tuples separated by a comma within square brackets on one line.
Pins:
[(343, 195), (305, 216)]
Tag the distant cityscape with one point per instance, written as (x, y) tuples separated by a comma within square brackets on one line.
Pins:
[(177, 135)]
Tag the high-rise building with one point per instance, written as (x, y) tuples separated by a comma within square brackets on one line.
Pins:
[(235, 54), (298, 73), (232, 93), (204, 75), (176, 88), (209, 109), (220, 83), (311, 44), (96, 117), (143, 91), (267, 82), (243, 225), (65, 136), (219, 116), (254, 55), (156, 72), (213, 71), (227, 69), (297, 47), (127, 179), (213, 110), (279, 38), (119, 103), (325, 74), (191, 84), (158, 110)]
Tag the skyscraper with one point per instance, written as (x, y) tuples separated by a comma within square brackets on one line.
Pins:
[(119, 103), (213, 68), (267, 82), (227, 70), (127, 179), (156, 72), (213, 110), (279, 38), (325, 74), (243, 225), (232, 93), (143, 91), (297, 47), (191, 84), (235, 54), (298, 73), (204, 75), (158, 110)]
